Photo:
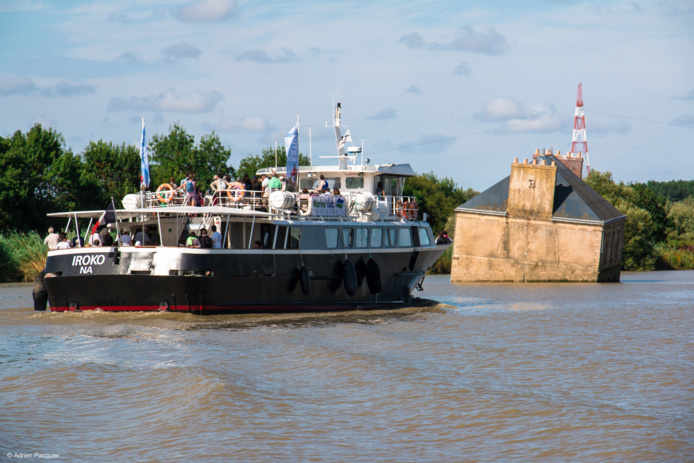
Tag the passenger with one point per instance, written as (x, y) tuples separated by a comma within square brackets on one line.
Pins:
[(97, 243), (247, 185), (216, 238), (140, 237), (264, 179), (78, 242), (52, 239), (63, 243), (443, 238), (336, 191), (257, 245), (191, 190), (380, 191), (105, 237), (153, 237), (192, 241), (205, 241), (214, 186), (322, 185), (274, 184), (126, 239), (92, 238)]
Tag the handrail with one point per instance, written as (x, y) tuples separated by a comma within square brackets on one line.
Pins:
[(388, 207)]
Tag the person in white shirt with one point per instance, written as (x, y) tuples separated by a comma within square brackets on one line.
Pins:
[(216, 238), (52, 239), (64, 243), (126, 239)]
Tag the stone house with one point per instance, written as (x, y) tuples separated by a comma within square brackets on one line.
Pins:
[(541, 223)]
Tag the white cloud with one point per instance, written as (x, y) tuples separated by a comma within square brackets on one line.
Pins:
[(384, 114), (246, 124), (490, 42), (500, 109), (200, 11), (539, 118), (11, 6), (261, 56), (462, 69), (68, 89), (168, 101), (16, 85), (180, 51)]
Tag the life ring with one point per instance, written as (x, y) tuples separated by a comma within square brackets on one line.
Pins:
[(165, 193), (235, 191), (413, 210)]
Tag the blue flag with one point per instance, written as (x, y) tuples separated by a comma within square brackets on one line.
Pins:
[(144, 159), (291, 143)]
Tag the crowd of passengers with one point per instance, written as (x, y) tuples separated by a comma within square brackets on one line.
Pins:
[(245, 187)]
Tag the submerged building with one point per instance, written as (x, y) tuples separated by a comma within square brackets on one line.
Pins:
[(541, 223)]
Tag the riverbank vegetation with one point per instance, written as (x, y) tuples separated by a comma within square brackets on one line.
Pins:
[(39, 174)]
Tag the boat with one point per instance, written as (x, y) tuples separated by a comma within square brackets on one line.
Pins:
[(287, 251)]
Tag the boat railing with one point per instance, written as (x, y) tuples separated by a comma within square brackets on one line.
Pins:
[(325, 206)]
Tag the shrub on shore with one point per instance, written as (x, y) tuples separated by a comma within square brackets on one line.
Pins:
[(22, 256)]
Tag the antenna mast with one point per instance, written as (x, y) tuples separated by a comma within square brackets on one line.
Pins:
[(579, 144)]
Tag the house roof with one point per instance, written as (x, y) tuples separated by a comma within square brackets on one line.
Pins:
[(574, 200)]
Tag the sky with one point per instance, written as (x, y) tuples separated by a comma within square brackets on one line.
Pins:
[(455, 88)]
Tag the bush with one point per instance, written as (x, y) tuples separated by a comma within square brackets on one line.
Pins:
[(22, 256)]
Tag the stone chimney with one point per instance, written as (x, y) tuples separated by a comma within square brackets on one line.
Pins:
[(574, 161), (531, 189)]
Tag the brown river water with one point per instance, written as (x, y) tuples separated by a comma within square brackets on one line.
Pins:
[(492, 372)]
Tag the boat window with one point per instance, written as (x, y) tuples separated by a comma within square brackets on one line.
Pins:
[(331, 237), (392, 237), (267, 235), (294, 238), (311, 183), (405, 237), (279, 240), (362, 237), (348, 237), (424, 237), (376, 237), (354, 183)]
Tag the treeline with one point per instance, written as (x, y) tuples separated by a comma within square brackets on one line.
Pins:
[(38, 174), (659, 229), (673, 190)]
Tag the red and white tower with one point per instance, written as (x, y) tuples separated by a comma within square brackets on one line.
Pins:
[(579, 144)]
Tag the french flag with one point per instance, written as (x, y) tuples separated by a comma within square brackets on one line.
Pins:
[(109, 216)]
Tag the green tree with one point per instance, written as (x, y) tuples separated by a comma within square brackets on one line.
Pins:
[(681, 216), (37, 175), (253, 162), (175, 154), (115, 169), (437, 197), (673, 190), (640, 233)]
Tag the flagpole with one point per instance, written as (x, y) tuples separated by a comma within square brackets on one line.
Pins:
[(117, 228), (77, 228)]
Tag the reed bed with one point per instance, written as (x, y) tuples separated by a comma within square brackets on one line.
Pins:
[(22, 255), (675, 257)]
